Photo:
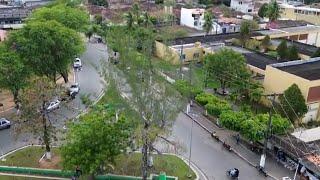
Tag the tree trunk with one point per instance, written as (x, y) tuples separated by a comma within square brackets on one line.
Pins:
[(46, 138), (145, 152), (15, 94), (65, 76)]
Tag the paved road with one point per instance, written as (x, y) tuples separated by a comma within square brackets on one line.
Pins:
[(90, 83), (207, 154)]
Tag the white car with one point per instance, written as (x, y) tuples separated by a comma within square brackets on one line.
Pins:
[(77, 63), (53, 105), (4, 123), (74, 88)]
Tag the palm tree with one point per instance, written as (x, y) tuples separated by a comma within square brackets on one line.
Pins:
[(146, 19), (273, 12), (208, 22)]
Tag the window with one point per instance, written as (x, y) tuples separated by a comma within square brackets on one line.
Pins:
[(295, 11), (249, 10), (318, 13), (240, 2), (299, 11)]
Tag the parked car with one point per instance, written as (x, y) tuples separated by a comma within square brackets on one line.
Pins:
[(53, 105), (4, 123), (77, 63), (74, 88)]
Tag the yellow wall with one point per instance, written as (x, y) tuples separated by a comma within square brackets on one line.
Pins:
[(277, 81), (290, 14), (173, 55)]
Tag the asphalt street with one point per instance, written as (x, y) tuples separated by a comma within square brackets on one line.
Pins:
[(207, 154), (91, 83)]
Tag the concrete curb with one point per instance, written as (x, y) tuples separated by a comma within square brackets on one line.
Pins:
[(233, 150)]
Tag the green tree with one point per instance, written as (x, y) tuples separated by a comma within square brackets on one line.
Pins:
[(263, 10), (89, 33), (48, 47), (293, 53), (33, 116), (246, 28), (282, 50), (265, 43), (13, 74), (159, 1), (252, 130), (73, 18), (273, 12), (224, 66), (208, 22), (95, 141), (129, 20), (316, 53), (98, 19), (294, 103)]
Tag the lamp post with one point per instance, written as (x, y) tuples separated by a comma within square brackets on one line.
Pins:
[(190, 144)]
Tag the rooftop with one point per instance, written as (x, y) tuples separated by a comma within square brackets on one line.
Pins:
[(302, 29), (308, 135), (303, 48), (309, 70), (308, 8)]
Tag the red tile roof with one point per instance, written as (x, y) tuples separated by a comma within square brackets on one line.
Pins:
[(314, 94)]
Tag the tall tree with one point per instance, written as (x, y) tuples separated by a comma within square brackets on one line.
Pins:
[(13, 74), (73, 18), (316, 53), (273, 12), (294, 103), (263, 10), (282, 50), (246, 28), (208, 22), (95, 141), (225, 66), (48, 47), (129, 20), (293, 53), (33, 116)]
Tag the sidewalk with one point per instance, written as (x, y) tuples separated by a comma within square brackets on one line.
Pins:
[(274, 170)]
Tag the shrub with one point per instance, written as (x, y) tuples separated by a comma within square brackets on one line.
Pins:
[(216, 108), (232, 119), (205, 98), (253, 44), (252, 130)]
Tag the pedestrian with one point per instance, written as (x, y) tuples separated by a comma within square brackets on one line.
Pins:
[(238, 138), (78, 172)]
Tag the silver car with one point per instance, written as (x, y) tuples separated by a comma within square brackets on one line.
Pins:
[(4, 123)]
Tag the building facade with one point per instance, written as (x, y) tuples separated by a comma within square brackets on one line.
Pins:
[(305, 13), (193, 18), (306, 74), (244, 6)]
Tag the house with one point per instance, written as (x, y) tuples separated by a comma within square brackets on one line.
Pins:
[(244, 6), (305, 13), (193, 18), (306, 74)]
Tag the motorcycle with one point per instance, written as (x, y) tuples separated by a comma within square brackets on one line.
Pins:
[(233, 173), (262, 171), (227, 146)]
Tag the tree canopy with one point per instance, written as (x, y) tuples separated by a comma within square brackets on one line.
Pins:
[(317, 53), (47, 46), (246, 28), (263, 10), (273, 12), (13, 73), (225, 66), (282, 50), (265, 43), (72, 18), (208, 22), (292, 53), (110, 135), (293, 102)]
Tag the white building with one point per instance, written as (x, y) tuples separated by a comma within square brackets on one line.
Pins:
[(193, 18), (244, 6)]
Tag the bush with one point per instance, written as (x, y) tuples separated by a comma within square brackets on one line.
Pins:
[(205, 98), (253, 44), (232, 119), (216, 108), (252, 130)]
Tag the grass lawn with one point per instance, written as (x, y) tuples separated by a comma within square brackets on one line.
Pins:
[(125, 164), (27, 157)]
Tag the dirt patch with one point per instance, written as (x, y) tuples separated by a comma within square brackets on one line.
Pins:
[(6, 99), (50, 164)]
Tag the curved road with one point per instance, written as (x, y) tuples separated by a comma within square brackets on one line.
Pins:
[(90, 83)]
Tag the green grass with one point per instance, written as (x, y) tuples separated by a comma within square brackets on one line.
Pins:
[(27, 157), (172, 165), (125, 164), (2, 177)]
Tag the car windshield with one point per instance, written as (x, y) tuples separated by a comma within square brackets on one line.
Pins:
[(73, 86)]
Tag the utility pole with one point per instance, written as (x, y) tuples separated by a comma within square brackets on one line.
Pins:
[(267, 133)]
